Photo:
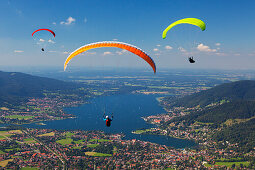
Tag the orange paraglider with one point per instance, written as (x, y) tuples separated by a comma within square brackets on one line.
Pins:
[(139, 52)]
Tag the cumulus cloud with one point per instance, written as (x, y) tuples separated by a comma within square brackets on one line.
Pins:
[(158, 45), (69, 21), (54, 23), (85, 20), (65, 52), (107, 53), (217, 44), (221, 54), (182, 50), (121, 52), (168, 47), (41, 40), (18, 51), (50, 41), (88, 53), (205, 48), (91, 53), (155, 49)]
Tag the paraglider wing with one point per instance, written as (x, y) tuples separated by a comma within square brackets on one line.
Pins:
[(53, 33), (121, 45), (193, 21)]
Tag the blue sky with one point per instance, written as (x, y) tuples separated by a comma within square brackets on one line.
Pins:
[(227, 43)]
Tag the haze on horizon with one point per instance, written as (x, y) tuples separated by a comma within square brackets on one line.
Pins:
[(227, 43)]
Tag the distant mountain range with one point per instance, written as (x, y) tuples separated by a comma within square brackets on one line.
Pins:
[(15, 87), (240, 90)]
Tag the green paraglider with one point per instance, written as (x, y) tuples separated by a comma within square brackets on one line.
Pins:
[(193, 21)]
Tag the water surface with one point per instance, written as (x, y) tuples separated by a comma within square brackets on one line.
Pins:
[(127, 110)]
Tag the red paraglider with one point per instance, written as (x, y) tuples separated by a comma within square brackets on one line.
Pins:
[(53, 33)]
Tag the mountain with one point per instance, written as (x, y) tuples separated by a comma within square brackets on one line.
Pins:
[(16, 87), (221, 113), (240, 90), (242, 133), (237, 115)]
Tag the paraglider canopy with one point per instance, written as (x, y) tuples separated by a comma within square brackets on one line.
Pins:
[(193, 21), (53, 33), (139, 52)]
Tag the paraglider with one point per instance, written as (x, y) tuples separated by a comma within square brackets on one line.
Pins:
[(40, 39), (53, 33), (193, 21), (107, 120), (139, 52), (191, 60)]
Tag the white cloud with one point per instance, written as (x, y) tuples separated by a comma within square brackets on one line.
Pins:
[(119, 52), (19, 12), (54, 23), (107, 53), (41, 40), (18, 51), (155, 49), (91, 53), (168, 47), (251, 54), (65, 52), (88, 53), (69, 21), (182, 50), (50, 41), (221, 54), (205, 48), (85, 20), (158, 45), (115, 39), (217, 44)]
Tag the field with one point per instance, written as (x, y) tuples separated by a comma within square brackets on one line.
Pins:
[(20, 117), (97, 154), (4, 108), (229, 164), (48, 134), (69, 134), (100, 140), (15, 131), (29, 168), (5, 162), (92, 145), (29, 140), (79, 141), (141, 131), (4, 134), (65, 141)]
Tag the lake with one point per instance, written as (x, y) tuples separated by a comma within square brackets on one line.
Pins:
[(127, 110)]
